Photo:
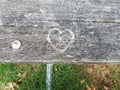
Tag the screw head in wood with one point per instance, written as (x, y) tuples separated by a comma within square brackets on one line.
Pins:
[(16, 44)]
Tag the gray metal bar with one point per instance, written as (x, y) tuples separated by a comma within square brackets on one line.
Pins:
[(49, 71)]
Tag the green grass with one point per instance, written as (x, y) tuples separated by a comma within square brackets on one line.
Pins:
[(7, 73), (65, 76), (68, 77), (35, 80)]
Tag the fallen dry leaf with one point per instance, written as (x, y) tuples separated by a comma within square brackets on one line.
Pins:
[(105, 87), (10, 86), (22, 76), (82, 81), (93, 87), (88, 87), (55, 69)]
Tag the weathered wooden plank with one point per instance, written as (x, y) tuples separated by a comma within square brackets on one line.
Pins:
[(69, 31)]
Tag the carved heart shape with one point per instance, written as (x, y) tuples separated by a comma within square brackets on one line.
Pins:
[(60, 40)]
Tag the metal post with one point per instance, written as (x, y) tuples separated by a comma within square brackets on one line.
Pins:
[(49, 71)]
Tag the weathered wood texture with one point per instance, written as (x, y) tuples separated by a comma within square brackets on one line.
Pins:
[(69, 31)]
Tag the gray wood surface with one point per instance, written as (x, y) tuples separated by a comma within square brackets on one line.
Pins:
[(60, 31)]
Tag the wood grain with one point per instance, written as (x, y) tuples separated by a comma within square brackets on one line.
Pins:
[(60, 31)]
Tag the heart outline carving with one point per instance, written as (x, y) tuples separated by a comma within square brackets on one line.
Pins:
[(60, 32)]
